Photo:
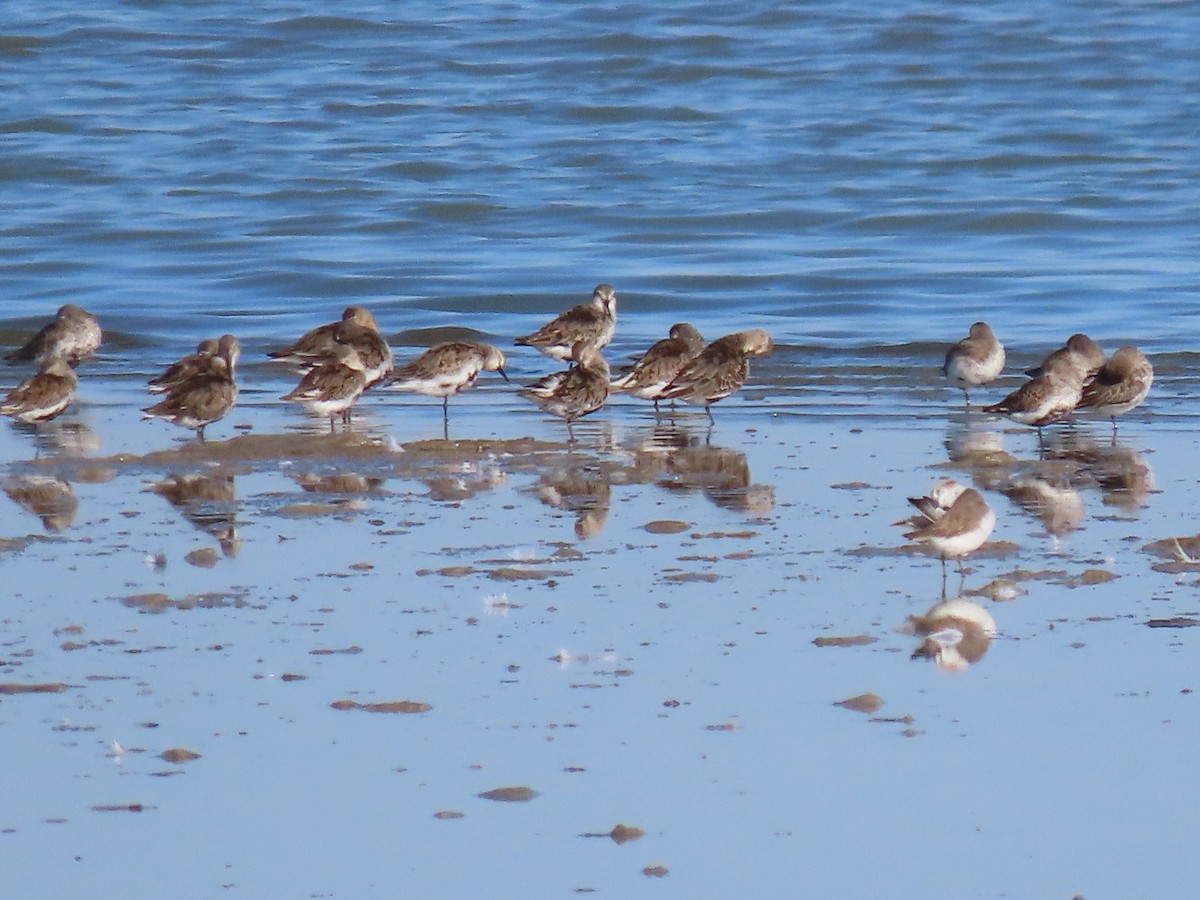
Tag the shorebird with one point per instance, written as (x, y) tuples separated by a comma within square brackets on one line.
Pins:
[(660, 364), (591, 324), (73, 336), (358, 329), (1086, 354), (187, 367), (1121, 385), (44, 395), (719, 369), (1048, 398), (934, 505), (574, 393), (206, 397), (975, 360), (446, 369), (961, 529), (332, 388)]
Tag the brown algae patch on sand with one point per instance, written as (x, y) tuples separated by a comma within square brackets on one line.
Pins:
[(666, 526), (852, 640), (401, 707), (204, 558), (158, 602), (1180, 554), (620, 834), (179, 755), (52, 687), (868, 703), (512, 573), (1174, 622), (1088, 577), (518, 794), (689, 577)]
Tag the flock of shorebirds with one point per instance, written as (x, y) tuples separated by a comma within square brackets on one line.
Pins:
[(954, 520), (342, 359)]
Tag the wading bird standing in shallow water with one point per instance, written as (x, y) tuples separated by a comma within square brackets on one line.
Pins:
[(185, 368), (73, 336), (357, 329), (1120, 386), (590, 324), (1086, 354), (959, 522), (574, 393), (1046, 399), (207, 396), (975, 360), (446, 369), (659, 365), (719, 370), (43, 396), (333, 387)]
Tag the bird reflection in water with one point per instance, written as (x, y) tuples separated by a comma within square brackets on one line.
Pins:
[(581, 488), (720, 473), (209, 501), (464, 482), (337, 482), (1047, 492), (1124, 477), (49, 497), (954, 633)]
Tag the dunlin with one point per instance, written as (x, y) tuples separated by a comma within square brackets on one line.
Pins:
[(576, 392), (660, 364), (1086, 354), (333, 387), (186, 368), (446, 369), (1045, 399), (358, 329), (719, 369), (44, 395), (975, 360), (1121, 384), (206, 397), (73, 336), (590, 324), (961, 529)]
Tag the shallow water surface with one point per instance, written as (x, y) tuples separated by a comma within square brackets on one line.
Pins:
[(451, 659)]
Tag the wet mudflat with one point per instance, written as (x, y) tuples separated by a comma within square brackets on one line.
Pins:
[(666, 661)]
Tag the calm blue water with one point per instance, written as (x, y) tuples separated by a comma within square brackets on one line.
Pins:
[(853, 176), (864, 183)]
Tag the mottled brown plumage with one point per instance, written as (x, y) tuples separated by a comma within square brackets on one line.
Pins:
[(446, 369), (659, 365), (73, 336), (719, 370), (591, 324), (44, 395), (1120, 386)]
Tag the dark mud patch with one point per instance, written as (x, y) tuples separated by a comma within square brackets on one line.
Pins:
[(395, 707), (852, 640), (868, 703), (518, 794)]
